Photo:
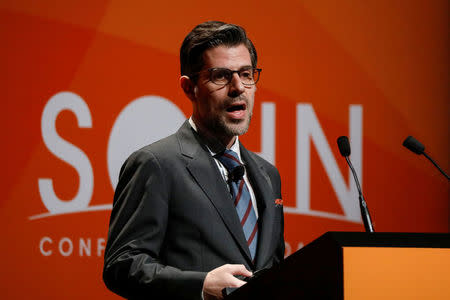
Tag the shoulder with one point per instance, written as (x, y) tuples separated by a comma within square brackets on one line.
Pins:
[(268, 170), (151, 163), (260, 161), (263, 164), (166, 146), (153, 155), (169, 152), (171, 147)]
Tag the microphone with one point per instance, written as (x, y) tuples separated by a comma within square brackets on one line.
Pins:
[(415, 146), (344, 148), (237, 173)]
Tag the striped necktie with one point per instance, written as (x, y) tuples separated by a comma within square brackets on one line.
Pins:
[(241, 197)]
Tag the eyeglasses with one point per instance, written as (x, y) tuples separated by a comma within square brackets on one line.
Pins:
[(223, 76)]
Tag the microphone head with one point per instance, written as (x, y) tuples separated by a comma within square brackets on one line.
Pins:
[(344, 146), (414, 145), (237, 173)]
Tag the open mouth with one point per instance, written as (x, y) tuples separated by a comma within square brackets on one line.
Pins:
[(236, 107), (237, 111)]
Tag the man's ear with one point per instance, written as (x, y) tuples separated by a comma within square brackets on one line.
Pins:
[(188, 87)]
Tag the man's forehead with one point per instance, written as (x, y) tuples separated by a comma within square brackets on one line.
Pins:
[(231, 57)]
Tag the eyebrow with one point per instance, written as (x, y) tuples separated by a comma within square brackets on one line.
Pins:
[(243, 67)]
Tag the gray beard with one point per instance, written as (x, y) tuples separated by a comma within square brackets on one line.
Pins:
[(224, 129)]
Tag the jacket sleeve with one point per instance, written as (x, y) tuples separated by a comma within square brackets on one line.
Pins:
[(132, 262)]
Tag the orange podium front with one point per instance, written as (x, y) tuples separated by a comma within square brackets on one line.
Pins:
[(399, 273), (359, 265)]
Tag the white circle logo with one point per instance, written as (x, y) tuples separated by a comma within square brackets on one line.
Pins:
[(142, 122)]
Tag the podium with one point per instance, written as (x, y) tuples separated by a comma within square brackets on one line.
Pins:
[(359, 265)]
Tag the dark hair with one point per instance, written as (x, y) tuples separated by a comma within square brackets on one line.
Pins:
[(209, 35)]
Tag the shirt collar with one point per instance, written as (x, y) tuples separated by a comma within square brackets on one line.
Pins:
[(235, 147)]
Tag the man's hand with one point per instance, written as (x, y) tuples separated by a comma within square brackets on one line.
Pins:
[(223, 277)]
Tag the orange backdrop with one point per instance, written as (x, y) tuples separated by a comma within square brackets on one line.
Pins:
[(76, 77)]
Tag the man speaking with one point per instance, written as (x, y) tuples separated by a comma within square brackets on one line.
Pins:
[(196, 211)]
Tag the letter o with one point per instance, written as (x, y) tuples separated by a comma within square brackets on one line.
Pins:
[(61, 243)]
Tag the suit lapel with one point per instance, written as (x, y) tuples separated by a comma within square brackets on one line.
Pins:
[(265, 199), (203, 168)]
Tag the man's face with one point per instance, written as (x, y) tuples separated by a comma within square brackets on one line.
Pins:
[(224, 111)]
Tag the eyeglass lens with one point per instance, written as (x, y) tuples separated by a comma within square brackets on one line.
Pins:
[(222, 76)]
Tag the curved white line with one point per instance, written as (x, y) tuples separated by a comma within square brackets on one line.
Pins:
[(87, 209)]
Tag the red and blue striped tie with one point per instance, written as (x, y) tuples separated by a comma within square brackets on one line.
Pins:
[(241, 198)]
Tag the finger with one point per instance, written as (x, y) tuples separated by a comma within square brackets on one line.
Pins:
[(234, 282), (240, 270)]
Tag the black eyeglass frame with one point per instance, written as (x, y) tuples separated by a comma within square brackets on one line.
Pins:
[(211, 70)]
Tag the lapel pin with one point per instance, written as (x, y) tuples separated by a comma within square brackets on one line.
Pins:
[(278, 202)]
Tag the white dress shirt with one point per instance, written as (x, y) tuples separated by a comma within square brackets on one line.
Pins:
[(235, 147)]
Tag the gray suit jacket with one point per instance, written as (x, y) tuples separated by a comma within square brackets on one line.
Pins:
[(173, 220)]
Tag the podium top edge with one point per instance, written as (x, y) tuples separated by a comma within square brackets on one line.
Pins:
[(388, 239)]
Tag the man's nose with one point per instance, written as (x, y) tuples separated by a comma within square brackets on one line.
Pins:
[(235, 86)]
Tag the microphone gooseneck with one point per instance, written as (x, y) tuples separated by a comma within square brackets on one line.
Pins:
[(415, 146), (344, 148)]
